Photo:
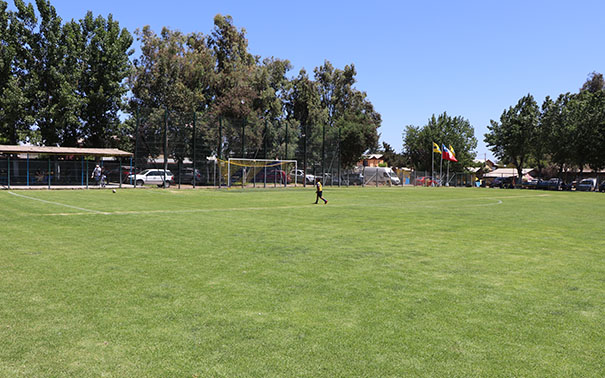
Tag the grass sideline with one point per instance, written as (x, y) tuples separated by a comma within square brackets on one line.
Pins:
[(379, 282)]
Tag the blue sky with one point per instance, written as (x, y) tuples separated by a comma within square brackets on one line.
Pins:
[(414, 59)]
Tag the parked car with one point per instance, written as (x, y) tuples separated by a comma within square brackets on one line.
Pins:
[(602, 187), (188, 176), (119, 173), (355, 178), (273, 176), (551, 184), (426, 181), (384, 175), (152, 177), (328, 179), (587, 185), (502, 182), (530, 184), (300, 176)]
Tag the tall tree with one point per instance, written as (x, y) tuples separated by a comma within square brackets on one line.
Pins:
[(392, 158), (174, 73), (16, 34), (587, 113), (455, 131), (511, 139), (304, 107), (48, 68), (233, 94), (594, 83), (556, 127), (346, 108), (272, 88), (103, 81)]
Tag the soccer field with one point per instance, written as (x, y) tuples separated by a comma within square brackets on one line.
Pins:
[(378, 282)]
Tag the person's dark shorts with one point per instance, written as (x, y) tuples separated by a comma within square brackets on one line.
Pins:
[(319, 193)]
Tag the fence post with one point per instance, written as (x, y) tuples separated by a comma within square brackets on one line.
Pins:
[(194, 175), (305, 156), (49, 172), (220, 150), (244, 139), (165, 145), (265, 140), (287, 144), (339, 178), (323, 154), (363, 174), (8, 171), (133, 169)]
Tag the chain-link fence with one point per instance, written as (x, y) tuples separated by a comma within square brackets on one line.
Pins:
[(193, 149)]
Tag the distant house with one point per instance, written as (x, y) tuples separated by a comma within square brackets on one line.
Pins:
[(372, 160), (485, 163)]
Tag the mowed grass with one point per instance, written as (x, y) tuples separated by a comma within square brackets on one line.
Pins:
[(379, 282)]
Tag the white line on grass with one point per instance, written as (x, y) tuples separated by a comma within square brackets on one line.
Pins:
[(88, 211), (488, 204), (183, 211)]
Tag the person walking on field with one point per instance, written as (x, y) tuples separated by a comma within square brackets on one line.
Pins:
[(319, 192), (96, 174)]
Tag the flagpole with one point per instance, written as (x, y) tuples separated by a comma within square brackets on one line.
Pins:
[(447, 181), (432, 164), (441, 169)]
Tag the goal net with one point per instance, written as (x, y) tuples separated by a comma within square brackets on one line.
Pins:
[(261, 172)]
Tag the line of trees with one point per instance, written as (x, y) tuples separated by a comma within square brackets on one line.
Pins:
[(566, 133), (73, 83), (60, 83)]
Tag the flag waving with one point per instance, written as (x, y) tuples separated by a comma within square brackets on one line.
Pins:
[(447, 154), (452, 154), (436, 148)]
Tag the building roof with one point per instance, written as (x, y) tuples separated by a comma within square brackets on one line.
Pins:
[(49, 150), (506, 172)]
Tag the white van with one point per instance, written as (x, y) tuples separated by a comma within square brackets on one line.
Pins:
[(384, 175)]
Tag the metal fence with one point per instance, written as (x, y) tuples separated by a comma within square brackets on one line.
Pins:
[(194, 148), (206, 171)]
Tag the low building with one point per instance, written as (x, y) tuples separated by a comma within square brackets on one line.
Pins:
[(371, 160)]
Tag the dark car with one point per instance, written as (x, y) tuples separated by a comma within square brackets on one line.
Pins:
[(551, 184), (355, 178), (502, 182), (602, 187), (188, 176), (530, 184), (587, 185), (272, 176)]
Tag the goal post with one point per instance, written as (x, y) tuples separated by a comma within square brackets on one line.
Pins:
[(246, 172)]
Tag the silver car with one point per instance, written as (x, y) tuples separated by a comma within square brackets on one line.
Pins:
[(300, 175), (152, 177)]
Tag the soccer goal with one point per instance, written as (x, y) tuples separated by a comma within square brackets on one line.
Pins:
[(261, 172)]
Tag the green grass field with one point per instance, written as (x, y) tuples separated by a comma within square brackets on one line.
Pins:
[(379, 282)]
